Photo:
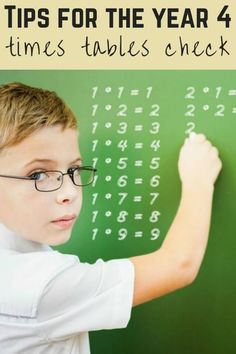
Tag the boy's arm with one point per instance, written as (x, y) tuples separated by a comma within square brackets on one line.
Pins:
[(177, 262)]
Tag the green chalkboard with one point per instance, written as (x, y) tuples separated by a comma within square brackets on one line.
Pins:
[(132, 125)]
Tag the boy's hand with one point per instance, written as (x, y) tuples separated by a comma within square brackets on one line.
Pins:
[(199, 163)]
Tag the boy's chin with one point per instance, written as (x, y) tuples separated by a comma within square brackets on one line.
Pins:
[(60, 238)]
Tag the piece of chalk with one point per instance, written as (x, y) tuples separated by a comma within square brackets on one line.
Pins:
[(192, 135)]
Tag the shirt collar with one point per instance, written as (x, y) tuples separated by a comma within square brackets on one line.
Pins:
[(11, 241)]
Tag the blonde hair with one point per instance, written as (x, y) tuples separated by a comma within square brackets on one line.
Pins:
[(25, 109)]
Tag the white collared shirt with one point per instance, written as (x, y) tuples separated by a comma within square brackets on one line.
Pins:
[(49, 301)]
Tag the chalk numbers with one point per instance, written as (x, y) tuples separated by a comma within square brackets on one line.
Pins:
[(197, 103), (128, 179)]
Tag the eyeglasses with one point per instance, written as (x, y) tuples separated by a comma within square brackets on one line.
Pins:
[(48, 181)]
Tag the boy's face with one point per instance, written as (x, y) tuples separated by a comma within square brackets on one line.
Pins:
[(27, 211)]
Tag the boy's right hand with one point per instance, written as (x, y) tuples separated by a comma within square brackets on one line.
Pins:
[(199, 163)]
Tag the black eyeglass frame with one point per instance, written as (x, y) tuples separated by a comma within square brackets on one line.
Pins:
[(69, 172)]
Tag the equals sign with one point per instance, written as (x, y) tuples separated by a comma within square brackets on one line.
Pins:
[(138, 216), (134, 92), (138, 128), (138, 234), (138, 146), (234, 110), (138, 163), (138, 198), (138, 110), (138, 180), (232, 93)]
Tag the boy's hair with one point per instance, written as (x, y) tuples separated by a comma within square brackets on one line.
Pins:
[(25, 109)]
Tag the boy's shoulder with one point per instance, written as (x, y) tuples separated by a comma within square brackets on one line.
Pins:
[(23, 277)]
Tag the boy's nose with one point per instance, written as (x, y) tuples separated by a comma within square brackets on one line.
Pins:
[(68, 191)]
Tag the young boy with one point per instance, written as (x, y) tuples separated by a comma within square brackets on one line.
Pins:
[(49, 300)]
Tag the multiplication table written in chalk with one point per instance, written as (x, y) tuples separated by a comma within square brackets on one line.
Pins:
[(130, 179), (135, 125)]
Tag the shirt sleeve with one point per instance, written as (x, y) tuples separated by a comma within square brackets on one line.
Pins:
[(87, 297)]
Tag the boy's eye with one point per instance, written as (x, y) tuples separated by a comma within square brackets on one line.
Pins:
[(76, 169), (39, 176)]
